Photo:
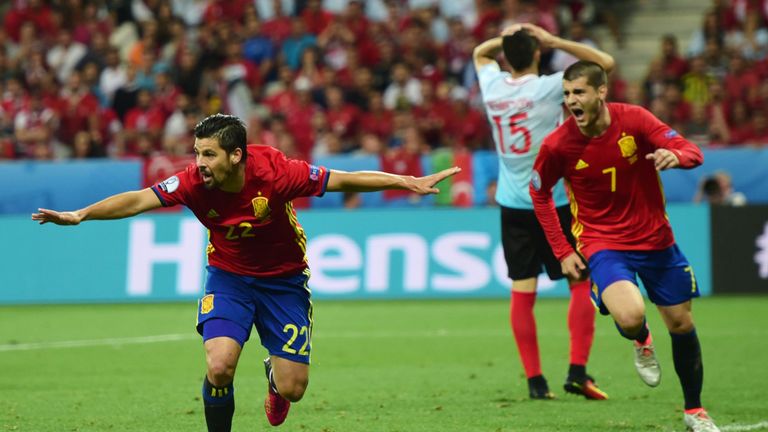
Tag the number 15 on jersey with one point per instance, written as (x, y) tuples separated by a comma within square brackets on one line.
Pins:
[(514, 128)]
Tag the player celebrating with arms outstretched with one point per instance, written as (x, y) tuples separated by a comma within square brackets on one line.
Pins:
[(523, 108), (257, 273), (609, 155)]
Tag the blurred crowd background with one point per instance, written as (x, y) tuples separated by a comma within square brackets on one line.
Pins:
[(391, 78)]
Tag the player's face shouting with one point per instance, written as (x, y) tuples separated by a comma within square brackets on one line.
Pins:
[(583, 100), (212, 161)]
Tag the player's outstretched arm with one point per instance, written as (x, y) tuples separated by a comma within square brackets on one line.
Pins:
[(118, 206), (577, 49), (371, 181)]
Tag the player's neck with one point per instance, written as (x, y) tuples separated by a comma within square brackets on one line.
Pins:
[(236, 181), (533, 70), (600, 125)]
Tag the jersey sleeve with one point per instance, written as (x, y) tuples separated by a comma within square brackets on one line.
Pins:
[(660, 135), (297, 178), (487, 75), (175, 189), (547, 170)]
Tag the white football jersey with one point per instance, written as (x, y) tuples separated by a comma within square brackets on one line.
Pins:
[(521, 111)]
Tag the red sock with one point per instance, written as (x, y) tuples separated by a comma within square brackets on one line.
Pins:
[(581, 322), (524, 329)]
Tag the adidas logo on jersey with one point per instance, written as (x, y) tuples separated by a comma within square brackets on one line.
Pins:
[(581, 165), (212, 214)]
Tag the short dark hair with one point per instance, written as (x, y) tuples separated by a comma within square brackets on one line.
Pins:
[(227, 129), (519, 48), (595, 73)]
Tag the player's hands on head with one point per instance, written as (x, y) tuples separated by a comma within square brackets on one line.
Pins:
[(545, 38), (663, 159), (426, 185), (511, 29), (59, 218), (573, 266)]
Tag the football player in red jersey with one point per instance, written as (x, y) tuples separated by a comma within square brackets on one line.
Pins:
[(257, 272), (609, 155)]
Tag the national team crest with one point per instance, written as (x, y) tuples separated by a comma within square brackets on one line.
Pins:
[(628, 148), (206, 304), (261, 208)]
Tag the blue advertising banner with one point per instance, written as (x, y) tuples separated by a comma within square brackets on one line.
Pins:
[(360, 254)]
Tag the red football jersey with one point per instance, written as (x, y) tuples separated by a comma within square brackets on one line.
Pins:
[(253, 232), (616, 195)]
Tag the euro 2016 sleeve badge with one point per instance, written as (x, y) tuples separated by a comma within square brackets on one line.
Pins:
[(206, 304)]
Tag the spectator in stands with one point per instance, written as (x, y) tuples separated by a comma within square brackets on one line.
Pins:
[(143, 125), (34, 127), (85, 148), (717, 189), (343, 117), (468, 127), (80, 109), (404, 91), (258, 48), (696, 83), (377, 119), (295, 44), (740, 129), (405, 160), (277, 21), (673, 66), (739, 78), (750, 40), (712, 30), (64, 55)]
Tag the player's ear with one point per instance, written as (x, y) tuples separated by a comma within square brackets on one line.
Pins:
[(602, 91), (235, 156)]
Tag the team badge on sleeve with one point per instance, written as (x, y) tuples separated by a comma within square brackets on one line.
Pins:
[(206, 304), (671, 134), (314, 173), (536, 180), (170, 184)]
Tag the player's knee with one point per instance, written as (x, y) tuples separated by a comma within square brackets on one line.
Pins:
[(680, 326), (630, 321), (220, 372), (293, 388)]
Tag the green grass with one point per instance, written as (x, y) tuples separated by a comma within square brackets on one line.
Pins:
[(377, 366)]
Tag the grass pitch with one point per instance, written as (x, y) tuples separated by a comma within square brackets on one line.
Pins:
[(405, 366)]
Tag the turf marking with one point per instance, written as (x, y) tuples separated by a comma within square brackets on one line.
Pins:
[(96, 342), (744, 428)]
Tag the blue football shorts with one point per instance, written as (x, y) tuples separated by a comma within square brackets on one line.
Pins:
[(279, 308), (666, 274)]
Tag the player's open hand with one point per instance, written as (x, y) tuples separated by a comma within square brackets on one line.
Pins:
[(573, 266), (545, 38), (59, 218), (426, 185), (663, 159)]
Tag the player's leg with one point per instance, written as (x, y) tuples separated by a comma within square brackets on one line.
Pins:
[(615, 291), (671, 285), (221, 356), (524, 266), (581, 316), (224, 320), (283, 319)]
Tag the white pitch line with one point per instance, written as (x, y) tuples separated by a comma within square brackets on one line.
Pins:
[(744, 428), (96, 342), (188, 336)]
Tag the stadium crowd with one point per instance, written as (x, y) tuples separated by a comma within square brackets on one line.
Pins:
[(129, 78)]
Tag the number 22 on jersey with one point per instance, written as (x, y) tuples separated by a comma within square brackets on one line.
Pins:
[(514, 128)]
